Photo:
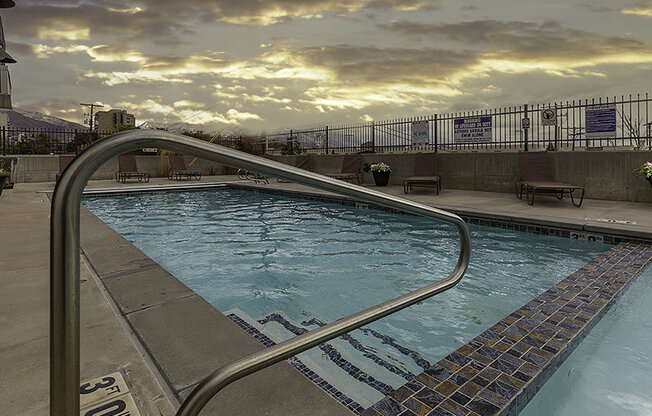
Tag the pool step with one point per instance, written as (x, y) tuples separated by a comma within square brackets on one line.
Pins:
[(364, 365)]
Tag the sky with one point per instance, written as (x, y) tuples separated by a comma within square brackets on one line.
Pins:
[(269, 65)]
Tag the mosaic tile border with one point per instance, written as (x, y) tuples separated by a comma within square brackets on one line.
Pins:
[(342, 398), (522, 226), (334, 355), (499, 371)]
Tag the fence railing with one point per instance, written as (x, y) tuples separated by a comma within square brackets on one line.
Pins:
[(22, 141), (614, 122)]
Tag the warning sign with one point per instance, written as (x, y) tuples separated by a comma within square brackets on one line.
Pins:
[(548, 117), (472, 129)]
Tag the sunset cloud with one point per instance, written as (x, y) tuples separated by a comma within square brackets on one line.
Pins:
[(285, 63)]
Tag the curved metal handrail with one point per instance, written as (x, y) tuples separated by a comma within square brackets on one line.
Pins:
[(64, 263)]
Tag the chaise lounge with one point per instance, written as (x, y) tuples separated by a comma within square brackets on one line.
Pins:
[(178, 169), (351, 169), (127, 168), (64, 161), (537, 178), (425, 173)]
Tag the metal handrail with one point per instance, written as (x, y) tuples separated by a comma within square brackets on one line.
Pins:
[(64, 263)]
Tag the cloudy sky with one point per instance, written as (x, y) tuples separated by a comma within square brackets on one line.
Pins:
[(265, 65)]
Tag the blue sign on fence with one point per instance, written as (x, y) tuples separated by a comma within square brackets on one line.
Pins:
[(600, 121), (472, 129)]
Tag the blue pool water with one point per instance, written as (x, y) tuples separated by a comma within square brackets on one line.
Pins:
[(263, 254), (610, 372)]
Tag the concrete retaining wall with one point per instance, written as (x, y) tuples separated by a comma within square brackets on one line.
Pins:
[(43, 168), (605, 175)]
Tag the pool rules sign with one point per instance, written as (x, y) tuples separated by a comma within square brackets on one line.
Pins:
[(472, 129)]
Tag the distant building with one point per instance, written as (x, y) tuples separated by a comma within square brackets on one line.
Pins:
[(109, 120), (5, 80)]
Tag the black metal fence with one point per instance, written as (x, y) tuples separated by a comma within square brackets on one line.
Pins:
[(19, 141), (616, 122)]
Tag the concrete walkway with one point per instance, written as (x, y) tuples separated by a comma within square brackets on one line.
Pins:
[(107, 345), (107, 342)]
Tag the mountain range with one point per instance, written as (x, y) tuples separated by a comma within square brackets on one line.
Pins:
[(23, 119)]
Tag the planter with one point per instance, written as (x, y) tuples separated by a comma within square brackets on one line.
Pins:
[(3, 180), (381, 178), (649, 180)]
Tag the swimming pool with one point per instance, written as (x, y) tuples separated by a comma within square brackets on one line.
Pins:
[(292, 264)]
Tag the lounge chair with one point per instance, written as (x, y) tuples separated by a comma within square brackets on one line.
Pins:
[(64, 161), (351, 169), (178, 169), (127, 169), (301, 162), (425, 173), (536, 178)]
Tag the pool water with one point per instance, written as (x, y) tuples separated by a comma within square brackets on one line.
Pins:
[(610, 372), (313, 262)]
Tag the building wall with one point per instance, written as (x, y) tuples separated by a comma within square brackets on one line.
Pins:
[(108, 120)]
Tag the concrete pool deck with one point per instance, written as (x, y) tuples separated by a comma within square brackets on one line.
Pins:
[(108, 341)]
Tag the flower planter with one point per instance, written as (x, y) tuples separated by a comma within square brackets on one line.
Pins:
[(381, 178), (3, 180), (649, 180)]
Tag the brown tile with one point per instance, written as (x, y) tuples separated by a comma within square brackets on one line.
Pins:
[(427, 380), (446, 388), (454, 408), (501, 346), (470, 389), (490, 373), (466, 350), (418, 407), (511, 381), (468, 372), (452, 367), (493, 398), (481, 358), (401, 393)]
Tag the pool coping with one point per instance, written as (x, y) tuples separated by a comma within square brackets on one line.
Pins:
[(390, 405)]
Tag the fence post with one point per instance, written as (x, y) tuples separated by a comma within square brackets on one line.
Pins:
[(326, 139), (525, 131), (291, 143), (434, 131), (373, 137), (4, 142)]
